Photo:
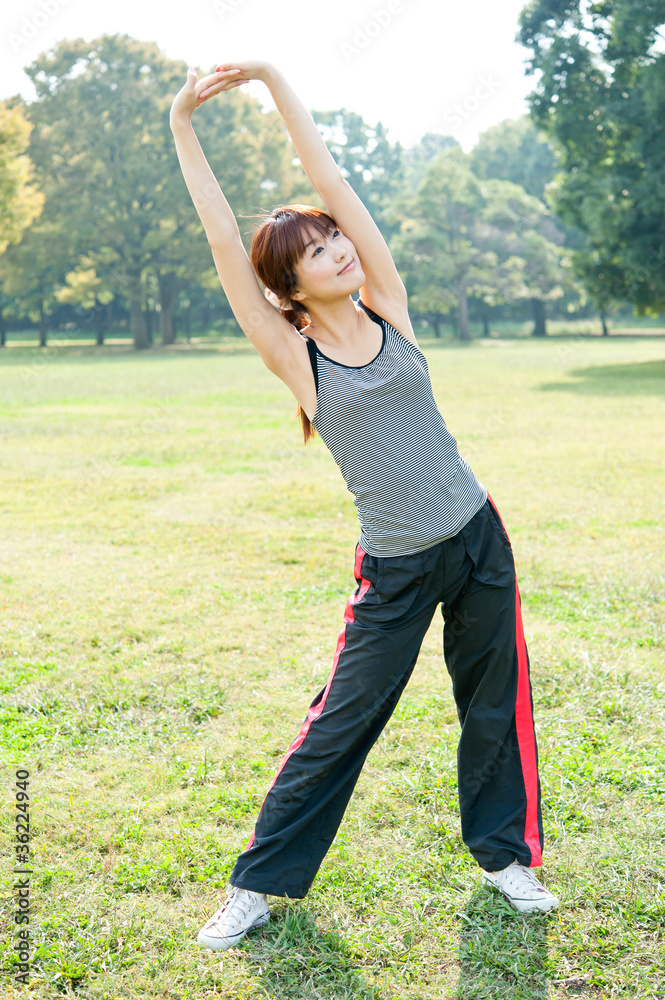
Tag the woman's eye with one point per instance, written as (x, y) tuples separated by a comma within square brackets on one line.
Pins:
[(333, 234)]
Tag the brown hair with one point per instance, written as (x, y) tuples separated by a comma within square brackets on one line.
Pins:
[(278, 243)]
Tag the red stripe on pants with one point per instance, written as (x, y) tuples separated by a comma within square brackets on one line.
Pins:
[(317, 709), (525, 730), (526, 739)]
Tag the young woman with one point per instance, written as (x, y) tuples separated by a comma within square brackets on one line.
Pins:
[(430, 533)]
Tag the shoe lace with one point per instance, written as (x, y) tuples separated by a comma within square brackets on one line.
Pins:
[(236, 904), (523, 878)]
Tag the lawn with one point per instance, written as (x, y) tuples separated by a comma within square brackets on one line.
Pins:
[(174, 566)]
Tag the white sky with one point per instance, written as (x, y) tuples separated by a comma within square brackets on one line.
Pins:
[(416, 65)]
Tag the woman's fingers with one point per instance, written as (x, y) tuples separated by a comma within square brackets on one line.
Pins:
[(227, 85), (220, 80)]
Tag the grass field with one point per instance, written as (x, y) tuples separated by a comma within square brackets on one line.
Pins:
[(174, 566)]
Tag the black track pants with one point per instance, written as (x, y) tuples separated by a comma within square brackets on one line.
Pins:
[(472, 576)]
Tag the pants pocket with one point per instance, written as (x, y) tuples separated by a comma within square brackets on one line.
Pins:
[(498, 524), (397, 584), (490, 551)]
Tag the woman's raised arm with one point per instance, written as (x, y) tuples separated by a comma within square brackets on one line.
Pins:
[(268, 331), (383, 287)]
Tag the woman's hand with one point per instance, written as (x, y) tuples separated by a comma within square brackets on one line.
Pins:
[(189, 97), (244, 71)]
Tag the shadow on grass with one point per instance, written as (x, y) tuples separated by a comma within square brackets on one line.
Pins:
[(502, 953), (615, 380), (293, 959), (39, 357)]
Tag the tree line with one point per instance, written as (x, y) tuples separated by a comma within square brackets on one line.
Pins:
[(546, 209)]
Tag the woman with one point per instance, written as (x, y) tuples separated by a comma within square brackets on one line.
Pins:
[(430, 534)]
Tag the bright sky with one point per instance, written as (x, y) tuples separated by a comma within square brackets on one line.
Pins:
[(416, 65)]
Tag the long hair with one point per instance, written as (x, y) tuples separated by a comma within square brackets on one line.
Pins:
[(278, 243)]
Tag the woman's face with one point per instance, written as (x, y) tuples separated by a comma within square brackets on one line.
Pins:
[(329, 268)]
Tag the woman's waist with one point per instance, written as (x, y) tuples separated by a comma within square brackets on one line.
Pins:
[(388, 533)]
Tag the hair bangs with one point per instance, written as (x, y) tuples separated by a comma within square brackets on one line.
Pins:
[(294, 226)]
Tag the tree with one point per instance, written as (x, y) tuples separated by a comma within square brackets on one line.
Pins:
[(20, 199), (104, 151), (83, 287), (366, 158), (436, 246), (528, 243), (416, 159), (601, 100), (35, 267), (462, 237), (514, 150)]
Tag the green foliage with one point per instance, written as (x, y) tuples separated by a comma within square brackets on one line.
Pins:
[(465, 237), (601, 99), (418, 158), (368, 161), (118, 224), (514, 150), (20, 200), (118, 220)]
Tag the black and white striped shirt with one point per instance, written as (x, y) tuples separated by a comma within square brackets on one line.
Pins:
[(383, 428)]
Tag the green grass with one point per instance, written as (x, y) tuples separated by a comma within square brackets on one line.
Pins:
[(174, 569)]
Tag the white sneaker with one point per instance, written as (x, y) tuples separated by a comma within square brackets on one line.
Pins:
[(522, 888), (242, 910)]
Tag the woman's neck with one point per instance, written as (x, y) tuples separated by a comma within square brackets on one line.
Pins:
[(335, 323)]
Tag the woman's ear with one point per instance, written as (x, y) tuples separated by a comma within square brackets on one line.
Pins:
[(275, 300)]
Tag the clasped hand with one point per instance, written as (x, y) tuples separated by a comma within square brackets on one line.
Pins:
[(225, 77)]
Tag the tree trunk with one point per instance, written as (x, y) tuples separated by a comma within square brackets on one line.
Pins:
[(137, 324), (3, 328), (436, 323), (168, 295), (205, 315), (602, 320), (42, 324), (99, 323), (463, 301), (486, 327), (539, 319), (149, 322), (188, 323)]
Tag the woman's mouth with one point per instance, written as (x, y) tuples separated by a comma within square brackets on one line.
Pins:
[(348, 267)]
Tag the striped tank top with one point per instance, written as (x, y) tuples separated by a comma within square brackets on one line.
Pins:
[(399, 460)]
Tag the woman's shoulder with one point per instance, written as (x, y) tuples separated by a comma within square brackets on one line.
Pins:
[(395, 314)]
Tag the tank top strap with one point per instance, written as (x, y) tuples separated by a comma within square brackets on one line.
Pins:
[(311, 350), (373, 315)]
